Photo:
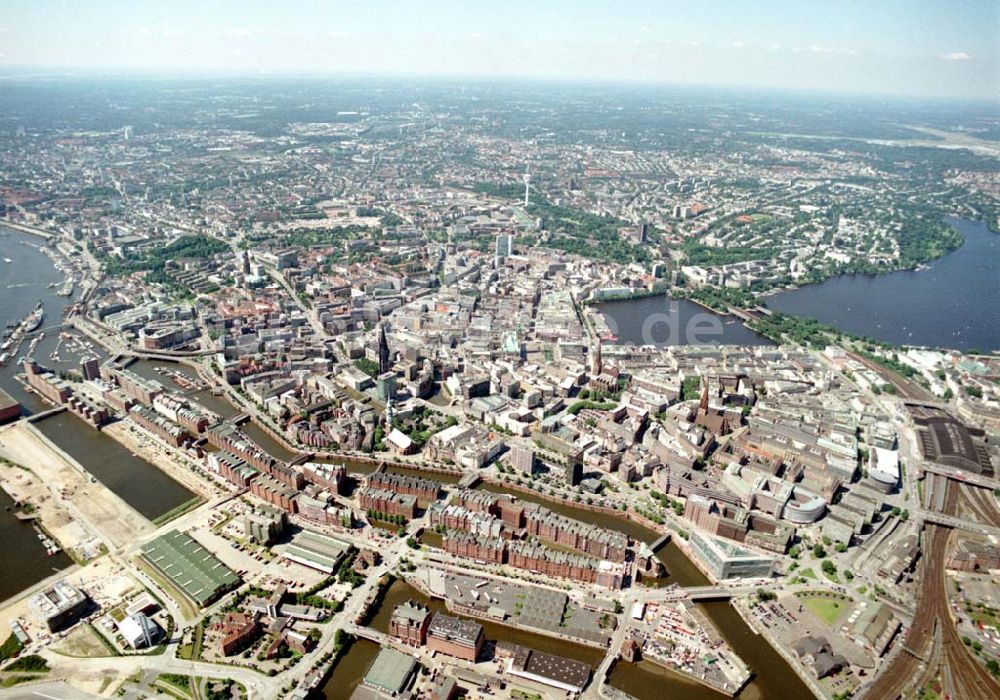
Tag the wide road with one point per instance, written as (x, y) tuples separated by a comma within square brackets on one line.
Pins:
[(933, 634)]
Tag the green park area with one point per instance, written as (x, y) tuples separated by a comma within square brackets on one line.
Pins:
[(828, 609)]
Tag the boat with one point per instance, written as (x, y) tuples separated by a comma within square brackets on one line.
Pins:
[(34, 320), (8, 260)]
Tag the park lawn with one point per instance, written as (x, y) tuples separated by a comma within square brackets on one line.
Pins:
[(829, 610)]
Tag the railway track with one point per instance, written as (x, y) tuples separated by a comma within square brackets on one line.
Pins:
[(905, 388), (981, 503), (946, 655)]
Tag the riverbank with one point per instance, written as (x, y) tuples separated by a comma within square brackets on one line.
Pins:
[(84, 497), (24, 228), (634, 294), (149, 448), (51, 515), (747, 615)]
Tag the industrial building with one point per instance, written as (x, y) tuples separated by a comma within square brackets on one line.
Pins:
[(556, 671), (195, 571), (139, 631), (10, 409), (391, 672), (454, 636), (316, 551)]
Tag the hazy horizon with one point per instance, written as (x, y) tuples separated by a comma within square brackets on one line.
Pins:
[(931, 49)]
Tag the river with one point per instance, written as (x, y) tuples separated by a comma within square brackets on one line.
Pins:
[(953, 303), (660, 320), (23, 282)]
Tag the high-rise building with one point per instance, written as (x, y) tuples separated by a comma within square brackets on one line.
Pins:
[(504, 243), (386, 385), (574, 471), (522, 459)]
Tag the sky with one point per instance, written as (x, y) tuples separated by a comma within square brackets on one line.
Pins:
[(912, 47)]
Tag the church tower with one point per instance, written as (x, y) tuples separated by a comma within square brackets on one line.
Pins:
[(596, 365), (384, 363)]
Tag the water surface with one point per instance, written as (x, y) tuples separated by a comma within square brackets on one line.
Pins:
[(953, 303)]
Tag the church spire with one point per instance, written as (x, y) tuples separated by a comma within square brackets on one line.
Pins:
[(384, 363), (596, 365)]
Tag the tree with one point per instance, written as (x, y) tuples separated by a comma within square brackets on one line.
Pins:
[(819, 552), (764, 595)]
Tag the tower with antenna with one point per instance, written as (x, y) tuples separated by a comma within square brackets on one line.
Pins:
[(527, 185)]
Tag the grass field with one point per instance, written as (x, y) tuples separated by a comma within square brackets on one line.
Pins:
[(829, 610)]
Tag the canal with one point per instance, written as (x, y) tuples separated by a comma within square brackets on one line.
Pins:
[(351, 668), (400, 592), (773, 678), (218, 404), (953, 303)]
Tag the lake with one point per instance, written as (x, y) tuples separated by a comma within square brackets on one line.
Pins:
[(660, 320), (953, 303)]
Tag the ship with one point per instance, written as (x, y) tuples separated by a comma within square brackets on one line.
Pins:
[(35, 319)]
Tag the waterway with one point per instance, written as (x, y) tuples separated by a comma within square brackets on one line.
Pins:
[(144, 487), (216, 403), (23, 283), (953, 303), (773, 678), (350, 669), (32, 563), (663, 321)]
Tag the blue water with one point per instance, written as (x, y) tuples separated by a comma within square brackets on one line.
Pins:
[(954, 303)]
